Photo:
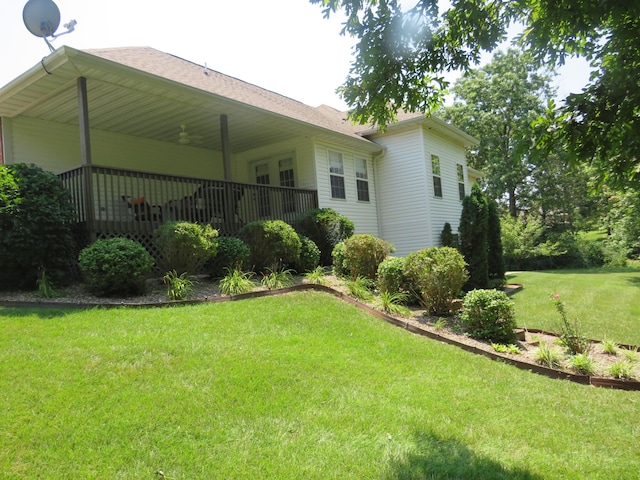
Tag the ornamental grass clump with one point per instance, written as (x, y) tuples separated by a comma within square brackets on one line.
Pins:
[(437, 274), (488, 315)]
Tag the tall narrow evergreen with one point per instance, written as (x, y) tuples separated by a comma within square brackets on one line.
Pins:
[(473, 238), (494, 243)]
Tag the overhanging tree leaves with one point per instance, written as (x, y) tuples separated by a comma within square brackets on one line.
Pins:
[(402, 55)]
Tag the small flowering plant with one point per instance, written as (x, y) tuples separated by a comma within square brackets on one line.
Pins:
[(570, 334)]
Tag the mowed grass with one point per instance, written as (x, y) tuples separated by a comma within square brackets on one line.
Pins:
[(300, 386), (606, 301)]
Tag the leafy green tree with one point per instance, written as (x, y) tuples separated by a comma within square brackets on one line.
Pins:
[(497, 104), (403, 53), (473, 238)]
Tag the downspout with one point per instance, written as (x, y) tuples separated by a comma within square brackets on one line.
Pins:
[(378, 155), (1, 144)]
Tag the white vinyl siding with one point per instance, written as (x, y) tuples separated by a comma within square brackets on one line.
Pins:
[(363, 214)]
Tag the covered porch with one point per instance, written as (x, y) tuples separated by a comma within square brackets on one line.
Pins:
[(118, 202)]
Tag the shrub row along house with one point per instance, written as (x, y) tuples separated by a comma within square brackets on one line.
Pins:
[(140, 137)]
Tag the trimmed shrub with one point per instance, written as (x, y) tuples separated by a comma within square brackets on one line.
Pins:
[(473, 238), (339, 267), (309, 255), (363, 253), (274, 244), (36, 227), (391, 279), (326, 228), (232, 254), (116, 266), (438, 274), (488, 315), (185, 247)]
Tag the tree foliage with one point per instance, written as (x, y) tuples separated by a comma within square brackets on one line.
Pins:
[(498, 104), (403, 54)]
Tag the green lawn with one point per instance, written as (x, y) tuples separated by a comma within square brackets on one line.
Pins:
[(606, 301), (300, 386)]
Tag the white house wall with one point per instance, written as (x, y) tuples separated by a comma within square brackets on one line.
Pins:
[(411, 216), (403, 191), (363, 214), (449, 207), (56, 148)]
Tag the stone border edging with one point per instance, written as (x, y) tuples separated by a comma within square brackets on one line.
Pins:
[(630, 385)]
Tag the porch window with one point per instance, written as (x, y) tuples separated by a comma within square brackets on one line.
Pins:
[(336, 175), (461, 191), (437, 180), (362, 180), (286, 180), (264, 201)]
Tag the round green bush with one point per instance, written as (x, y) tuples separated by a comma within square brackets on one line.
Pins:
[(438, 274), (273, 243), (116, 266), (309, 255), (489, 315), (362, 255), (326, 228), (185, 247), (36, 227), (232, 254)]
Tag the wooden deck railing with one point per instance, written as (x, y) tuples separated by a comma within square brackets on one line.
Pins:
[(111, 202)]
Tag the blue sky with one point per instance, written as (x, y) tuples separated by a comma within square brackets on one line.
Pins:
[(282, 45)]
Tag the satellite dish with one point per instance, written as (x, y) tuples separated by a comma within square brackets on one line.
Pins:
[(41, 17)]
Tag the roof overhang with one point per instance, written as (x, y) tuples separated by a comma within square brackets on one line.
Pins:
[(130, 101), (431, 123)]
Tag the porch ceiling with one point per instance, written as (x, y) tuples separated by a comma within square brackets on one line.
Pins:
[(130, 102)]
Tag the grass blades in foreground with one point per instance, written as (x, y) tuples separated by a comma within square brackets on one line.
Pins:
[(606, 301), (300, 386)]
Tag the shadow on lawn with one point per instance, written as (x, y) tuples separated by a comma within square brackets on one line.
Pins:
[(440, 458), (44, 313)]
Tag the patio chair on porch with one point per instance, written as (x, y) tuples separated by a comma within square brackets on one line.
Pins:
[(142, 211)]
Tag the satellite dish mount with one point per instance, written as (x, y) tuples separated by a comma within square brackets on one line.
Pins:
[(42, 18)]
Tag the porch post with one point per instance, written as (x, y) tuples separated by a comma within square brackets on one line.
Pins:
[(229, 197), (85, 149), (226, 151)]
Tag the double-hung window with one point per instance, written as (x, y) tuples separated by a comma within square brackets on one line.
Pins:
[(336, 175), (286, 180), (362, 179), (461, 191), (437, 180)]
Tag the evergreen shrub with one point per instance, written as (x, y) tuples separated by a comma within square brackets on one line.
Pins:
[(309, 255), (473, 238), (438, 274), (185, 247), (391, 279), (232, 254), (489, 315), (36, 227), (326, 228), (274, 244), (363, 253), (116, 266)]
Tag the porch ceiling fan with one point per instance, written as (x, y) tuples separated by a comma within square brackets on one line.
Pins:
[(185, 138)]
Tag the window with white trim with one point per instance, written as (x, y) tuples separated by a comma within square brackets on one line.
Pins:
[(336, 175), (362, 179), (461, 191), (285, 166), (437, 180)]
